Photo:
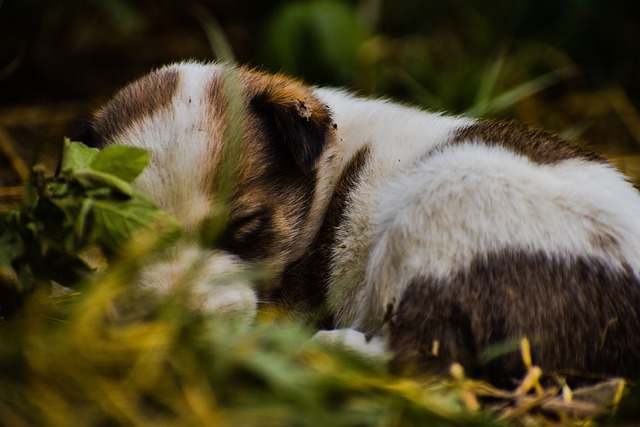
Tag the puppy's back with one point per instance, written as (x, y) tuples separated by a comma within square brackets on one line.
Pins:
[(488, 239)]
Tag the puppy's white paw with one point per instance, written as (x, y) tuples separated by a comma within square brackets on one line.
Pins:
[(214, 279), (354, 341)]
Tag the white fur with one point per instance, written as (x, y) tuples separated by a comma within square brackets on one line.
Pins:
[(354, 341), (180, 140)]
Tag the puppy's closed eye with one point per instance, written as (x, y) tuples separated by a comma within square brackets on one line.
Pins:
[(248, 234), (249, 224)]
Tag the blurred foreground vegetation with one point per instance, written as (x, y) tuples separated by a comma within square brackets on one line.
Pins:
[(81, 345), (105, 353)]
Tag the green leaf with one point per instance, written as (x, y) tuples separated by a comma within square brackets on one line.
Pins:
[(487, 86), (523, 91), (116, 221), (81, 220), (500, 349), (77, 155), (123, 161), (95, 181)]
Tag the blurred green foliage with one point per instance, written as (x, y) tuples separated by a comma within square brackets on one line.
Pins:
[(108, 352), (325, 40), (316, 39), (111, 353)]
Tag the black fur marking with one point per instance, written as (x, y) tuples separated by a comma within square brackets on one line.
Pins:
[(304, 283), (283, 176), (579, 314), (86, 133), (304, 137)]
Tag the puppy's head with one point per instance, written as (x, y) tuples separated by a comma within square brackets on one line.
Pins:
[(187, 114)]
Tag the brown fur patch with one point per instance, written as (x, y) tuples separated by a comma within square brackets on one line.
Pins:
[(539, 146), (604, 241), (142, 98), (304, 283), (288, 93), (276, 179), (579, 315), (216, 124), (293, 115)]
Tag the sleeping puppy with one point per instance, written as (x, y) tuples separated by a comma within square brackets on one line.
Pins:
[(443, 235)]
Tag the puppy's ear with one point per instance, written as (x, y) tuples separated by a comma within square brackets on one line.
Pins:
[(293, 116)]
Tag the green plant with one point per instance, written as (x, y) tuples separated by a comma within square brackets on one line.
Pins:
[(90, 203)]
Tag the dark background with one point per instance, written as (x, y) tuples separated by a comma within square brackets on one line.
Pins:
[(571, 66)]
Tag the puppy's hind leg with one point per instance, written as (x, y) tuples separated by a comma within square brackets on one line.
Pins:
[(429, 330), (580, 315)]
